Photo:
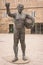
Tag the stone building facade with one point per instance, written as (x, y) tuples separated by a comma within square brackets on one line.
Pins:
[(32, 7)]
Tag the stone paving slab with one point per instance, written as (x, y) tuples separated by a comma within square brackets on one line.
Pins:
[(34, 49)]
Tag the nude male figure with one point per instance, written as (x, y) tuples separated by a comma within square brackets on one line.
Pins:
[(19, 34)]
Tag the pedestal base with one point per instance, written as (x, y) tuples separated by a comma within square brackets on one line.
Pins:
[(19, 61)]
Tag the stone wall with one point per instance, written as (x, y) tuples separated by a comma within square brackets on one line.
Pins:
[(32, 7)]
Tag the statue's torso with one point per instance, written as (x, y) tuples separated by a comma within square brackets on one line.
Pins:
[(19, 20)]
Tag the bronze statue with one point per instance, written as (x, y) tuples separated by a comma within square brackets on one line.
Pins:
[(20, 24)]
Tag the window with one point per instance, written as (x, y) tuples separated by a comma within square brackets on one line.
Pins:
[(4, 14), (33, 13), (38, 29), (4, 1), (42, 28)]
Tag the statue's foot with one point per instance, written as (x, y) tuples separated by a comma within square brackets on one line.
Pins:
[(15, 60), (24, 58)]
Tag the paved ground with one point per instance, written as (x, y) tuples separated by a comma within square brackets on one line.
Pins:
[(34, 49)]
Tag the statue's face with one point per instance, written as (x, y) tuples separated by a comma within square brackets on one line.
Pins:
[(20, 8)]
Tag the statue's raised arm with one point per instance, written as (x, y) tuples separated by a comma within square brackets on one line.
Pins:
[(8, 10)]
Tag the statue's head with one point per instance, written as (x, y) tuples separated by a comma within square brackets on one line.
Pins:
[(20, 8)]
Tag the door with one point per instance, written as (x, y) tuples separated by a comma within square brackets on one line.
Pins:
[(10, 28)]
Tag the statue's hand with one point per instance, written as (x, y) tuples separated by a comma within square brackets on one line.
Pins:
[(7, 4)]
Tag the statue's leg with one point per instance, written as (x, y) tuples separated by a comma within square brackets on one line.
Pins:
[(22, 41), (15, 47)]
